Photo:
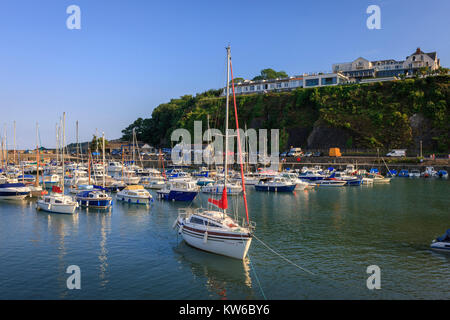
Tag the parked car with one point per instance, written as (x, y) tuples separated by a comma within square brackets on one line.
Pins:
[(295, 152), (283, 154), (116, 152), (317, 154), (308, 154)]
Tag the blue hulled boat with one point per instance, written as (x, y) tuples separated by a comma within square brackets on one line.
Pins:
[(404, 173), (13, 191), (179, 190), (392, 173), (276, 184), (95, 198), (442, 174)]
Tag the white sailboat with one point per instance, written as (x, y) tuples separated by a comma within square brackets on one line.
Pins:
[(213, 230), (57, 201)]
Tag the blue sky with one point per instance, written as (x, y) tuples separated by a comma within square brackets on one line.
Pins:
[(130, 56)]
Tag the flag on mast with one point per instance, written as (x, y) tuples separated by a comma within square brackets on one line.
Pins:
[(223, 202)]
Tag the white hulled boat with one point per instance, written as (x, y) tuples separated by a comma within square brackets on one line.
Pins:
[(134, 194), (57, 201), (212, 230)]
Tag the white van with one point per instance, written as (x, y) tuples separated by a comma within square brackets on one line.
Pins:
[(397, 153)]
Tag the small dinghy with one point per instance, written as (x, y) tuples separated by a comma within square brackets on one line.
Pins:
[(442, 243)]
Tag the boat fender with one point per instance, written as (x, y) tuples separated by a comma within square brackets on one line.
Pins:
[(205, 237), (180, 229)]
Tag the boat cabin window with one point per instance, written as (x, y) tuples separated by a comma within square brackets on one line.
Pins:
[(197, 221), (214, 225), (58, 201)]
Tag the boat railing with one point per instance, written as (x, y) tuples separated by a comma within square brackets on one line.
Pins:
[(251, 225), (185, 212)]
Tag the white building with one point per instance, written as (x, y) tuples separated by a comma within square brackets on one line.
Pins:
[(286, 84), (363, 68)]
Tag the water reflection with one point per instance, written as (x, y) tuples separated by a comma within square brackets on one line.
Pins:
[(222, 274), (101, 217), (60, 226)]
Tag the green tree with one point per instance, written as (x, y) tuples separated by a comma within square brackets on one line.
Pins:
[(268, 73), (97, 143), (237, 80)]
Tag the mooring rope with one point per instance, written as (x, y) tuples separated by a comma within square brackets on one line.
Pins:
[(256, 276), (283, 257)]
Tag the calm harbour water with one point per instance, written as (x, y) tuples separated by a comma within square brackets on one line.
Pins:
[(133, 253)]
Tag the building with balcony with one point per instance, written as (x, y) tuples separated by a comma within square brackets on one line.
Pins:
[(290, 83), (362, 68)]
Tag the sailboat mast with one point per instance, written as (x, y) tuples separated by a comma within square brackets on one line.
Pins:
[(134, 135), (14, 141), (63, 144), (6, 148), (226, 123), (37, 157), (104, 166), (77, 141), (57, 143)]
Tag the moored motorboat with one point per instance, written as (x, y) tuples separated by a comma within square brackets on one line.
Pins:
[(95, 198), (135, 194), (442, 174), (14, 191), (216, 188), (330, 182), (155, 182), (275, 184), (203, 181), (179, 190), (404, 173), (57, 202), (414, 173), (442, 243)]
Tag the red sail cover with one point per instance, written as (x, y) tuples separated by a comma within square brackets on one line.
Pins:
[(56, 189), (223, 202)]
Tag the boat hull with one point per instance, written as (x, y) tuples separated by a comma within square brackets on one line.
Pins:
[(324, 183), (219, 243), (134, 200), (56, 208), (13, 195), (90, 203), (356, 182), (287, 188), (441, 246), (178, 195)]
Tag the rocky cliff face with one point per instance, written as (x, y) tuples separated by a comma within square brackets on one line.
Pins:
[(395, 114), (325, 137)]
